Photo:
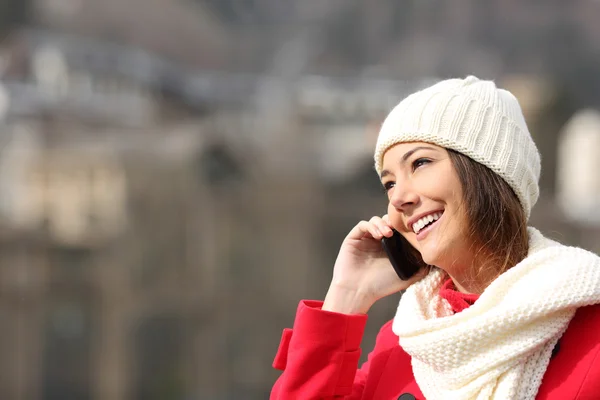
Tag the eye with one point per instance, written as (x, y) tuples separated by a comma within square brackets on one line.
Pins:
[(387, 186), (419, 162)]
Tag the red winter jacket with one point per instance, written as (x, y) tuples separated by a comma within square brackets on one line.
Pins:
[(320, 357)]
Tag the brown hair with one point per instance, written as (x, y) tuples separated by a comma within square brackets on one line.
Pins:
[(497, 223)]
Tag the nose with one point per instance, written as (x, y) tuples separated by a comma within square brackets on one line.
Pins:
[(403, 196)]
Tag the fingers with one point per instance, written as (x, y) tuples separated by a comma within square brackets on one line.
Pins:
[(376, 227), (382, 225)]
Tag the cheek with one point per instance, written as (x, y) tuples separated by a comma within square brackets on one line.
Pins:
[(394, 215)]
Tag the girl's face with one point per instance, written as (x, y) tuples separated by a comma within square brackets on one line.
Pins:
[(425, 204)]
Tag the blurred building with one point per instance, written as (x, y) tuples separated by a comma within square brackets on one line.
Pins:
[(579, 177), (136, 204)]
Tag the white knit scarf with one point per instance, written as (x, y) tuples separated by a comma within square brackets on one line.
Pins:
[(500, 347)]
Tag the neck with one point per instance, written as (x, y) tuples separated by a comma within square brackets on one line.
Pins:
[(474, 281), (468, 287), (475, 278)]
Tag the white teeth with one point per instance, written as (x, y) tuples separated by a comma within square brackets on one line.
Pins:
[(417, 226)]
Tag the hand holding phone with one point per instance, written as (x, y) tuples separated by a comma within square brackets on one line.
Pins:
[(362, 273)]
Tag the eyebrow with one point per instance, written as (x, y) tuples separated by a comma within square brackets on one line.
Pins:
[(406, 156)]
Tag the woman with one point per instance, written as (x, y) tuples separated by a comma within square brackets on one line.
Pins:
[(497, 311)]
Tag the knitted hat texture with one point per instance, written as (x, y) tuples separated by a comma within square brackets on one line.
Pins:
[(472, 117)]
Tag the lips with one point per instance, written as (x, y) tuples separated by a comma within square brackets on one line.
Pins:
[(422, 234), (423, 222), (419, 222)]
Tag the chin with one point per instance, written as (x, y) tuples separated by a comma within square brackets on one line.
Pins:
[(432, 258)]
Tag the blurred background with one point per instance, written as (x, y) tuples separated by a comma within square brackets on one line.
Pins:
[(175, 175)]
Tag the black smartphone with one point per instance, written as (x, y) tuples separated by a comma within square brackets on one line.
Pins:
[(396, 248)]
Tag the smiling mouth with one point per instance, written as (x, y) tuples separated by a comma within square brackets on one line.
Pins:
[(426, 221)]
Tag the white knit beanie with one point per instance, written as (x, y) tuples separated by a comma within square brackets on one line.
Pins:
[(472, 117)]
